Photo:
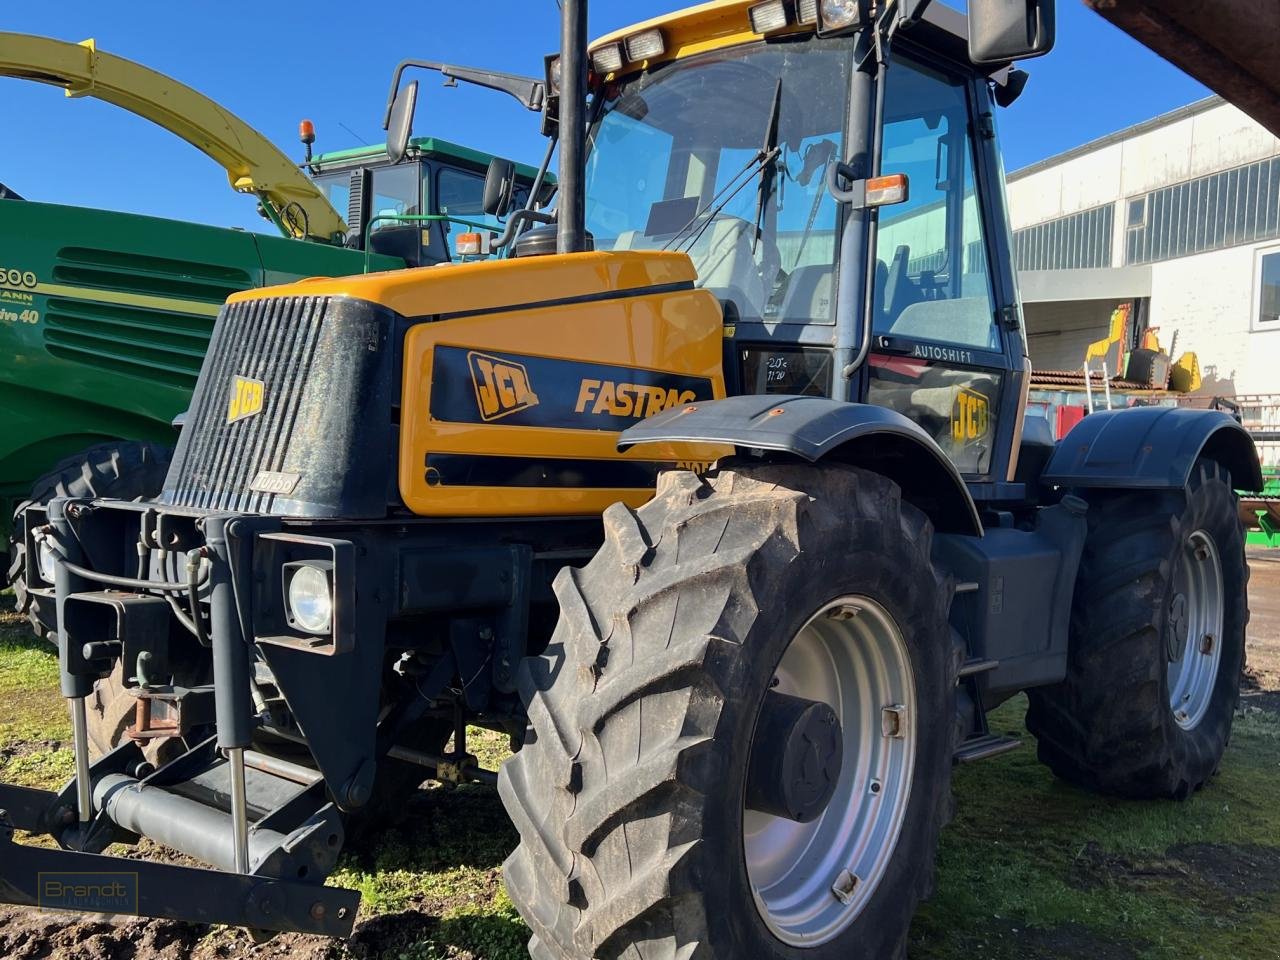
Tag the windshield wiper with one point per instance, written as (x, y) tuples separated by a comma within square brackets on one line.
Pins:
[(769, 171), (708, 212), (763, 161)]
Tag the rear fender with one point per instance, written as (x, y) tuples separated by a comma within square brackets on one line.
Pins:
[(1151, 448), (817, 428)]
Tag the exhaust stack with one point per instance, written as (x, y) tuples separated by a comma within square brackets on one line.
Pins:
[(571, 231)]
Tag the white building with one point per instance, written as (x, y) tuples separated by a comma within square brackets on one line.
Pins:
[(1181, 216)]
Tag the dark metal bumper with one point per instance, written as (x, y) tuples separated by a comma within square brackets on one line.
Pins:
[(34, 877), (41, 877)]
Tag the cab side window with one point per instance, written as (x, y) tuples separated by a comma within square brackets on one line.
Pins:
[(395, 193), (932, 280), (460, 194)]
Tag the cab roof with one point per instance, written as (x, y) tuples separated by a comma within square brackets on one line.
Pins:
[(432, 147), (725, 23)]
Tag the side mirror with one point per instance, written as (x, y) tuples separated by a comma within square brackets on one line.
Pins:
[(499, 187), (1004, 30), (400, 121)]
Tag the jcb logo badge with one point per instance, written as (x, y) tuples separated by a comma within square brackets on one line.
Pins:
[(246, 398), (502, 387), (970, 416)]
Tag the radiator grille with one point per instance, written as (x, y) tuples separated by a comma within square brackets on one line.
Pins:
[(154, 276), (163, 347), (274, 341), (162, 339)]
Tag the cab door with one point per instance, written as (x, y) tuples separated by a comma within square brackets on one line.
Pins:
[(940, 352)]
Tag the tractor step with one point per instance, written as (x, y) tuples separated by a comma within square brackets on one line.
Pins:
[(973, 667), (988, 745)]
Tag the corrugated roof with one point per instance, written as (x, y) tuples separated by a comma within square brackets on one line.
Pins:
[(1155, 123)]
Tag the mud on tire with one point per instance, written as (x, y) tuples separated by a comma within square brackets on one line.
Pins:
[(120, 471), (628, 793), (1111, 726)]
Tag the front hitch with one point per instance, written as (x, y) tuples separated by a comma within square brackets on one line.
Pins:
[(92, 882), (294, 847)]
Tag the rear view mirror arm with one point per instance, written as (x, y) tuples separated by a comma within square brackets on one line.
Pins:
[(529, 91)]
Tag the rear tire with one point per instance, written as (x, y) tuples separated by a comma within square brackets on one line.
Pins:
[(629, 794), (1129, 718), (118, 471)]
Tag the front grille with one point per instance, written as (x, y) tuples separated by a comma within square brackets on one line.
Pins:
[(323, 442), (268, 340)]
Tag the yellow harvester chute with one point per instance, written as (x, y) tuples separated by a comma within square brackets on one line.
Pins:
[(253, 163)]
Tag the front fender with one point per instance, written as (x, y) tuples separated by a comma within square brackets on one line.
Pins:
[(1151, 448), (817, 428)]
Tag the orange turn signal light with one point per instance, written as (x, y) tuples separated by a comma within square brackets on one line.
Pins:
[(469, 244), (887, 190)]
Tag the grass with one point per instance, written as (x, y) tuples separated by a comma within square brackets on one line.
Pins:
[(1030, 868), (34, 723), (1029, 857)]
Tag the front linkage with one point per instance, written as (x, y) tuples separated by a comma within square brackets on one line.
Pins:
[(256, 739), (268, 823)]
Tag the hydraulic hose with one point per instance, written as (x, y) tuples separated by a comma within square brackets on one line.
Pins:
[(194, 558), (127, 582)]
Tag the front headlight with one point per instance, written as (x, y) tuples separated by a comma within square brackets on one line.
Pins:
[(553, 77), (838, 14), (46, 560), (310, 598)]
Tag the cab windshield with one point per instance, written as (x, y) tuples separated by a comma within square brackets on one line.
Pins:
[(672, 164)]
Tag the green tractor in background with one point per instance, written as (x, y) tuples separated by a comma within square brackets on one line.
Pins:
[(105, 317)]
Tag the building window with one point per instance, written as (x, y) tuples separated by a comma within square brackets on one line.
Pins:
[(1268, 316), (1137, 212), (1078, 241), (1223, 209)]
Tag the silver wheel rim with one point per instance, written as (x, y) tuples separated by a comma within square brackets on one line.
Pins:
[(1195, 630), (811, 880)]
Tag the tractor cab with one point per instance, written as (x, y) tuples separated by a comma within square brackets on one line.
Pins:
[(418, 208), (745, 157)]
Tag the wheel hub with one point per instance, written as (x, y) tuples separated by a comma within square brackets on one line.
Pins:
[(796, 758), (831, 770), (1177, 628), (1195, 624)]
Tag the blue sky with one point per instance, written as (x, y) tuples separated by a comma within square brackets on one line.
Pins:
[(331, 61)]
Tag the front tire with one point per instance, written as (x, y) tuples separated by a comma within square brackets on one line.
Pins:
[(630, 794), (1157, 643), (123, 470)]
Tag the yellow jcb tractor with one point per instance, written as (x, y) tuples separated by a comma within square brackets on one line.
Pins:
[(716, 492)]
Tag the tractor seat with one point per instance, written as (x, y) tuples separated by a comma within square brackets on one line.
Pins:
[(965, 321), (722, 259), (810, 293)]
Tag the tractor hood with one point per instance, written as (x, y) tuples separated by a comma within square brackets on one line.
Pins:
[(315, 397)]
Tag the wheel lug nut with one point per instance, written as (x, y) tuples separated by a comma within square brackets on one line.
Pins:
[(893, 721), (844, 886), (876, 786)]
